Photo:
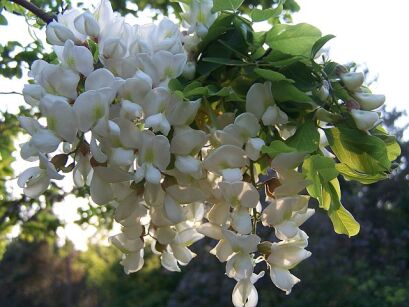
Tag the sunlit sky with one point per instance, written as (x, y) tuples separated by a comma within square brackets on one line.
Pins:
[(370, 32)]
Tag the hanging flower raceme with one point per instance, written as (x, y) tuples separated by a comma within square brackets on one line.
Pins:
[(208, 132)]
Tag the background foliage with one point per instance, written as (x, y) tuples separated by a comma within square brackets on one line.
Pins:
[(367, 270)]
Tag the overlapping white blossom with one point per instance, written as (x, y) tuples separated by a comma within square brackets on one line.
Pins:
[(134, 142)]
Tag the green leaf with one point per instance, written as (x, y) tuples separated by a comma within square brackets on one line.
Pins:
[(293, 39), (351, 174), (284, 91), (224, 61), (361, 152), (3, 21), (319, 44), (344, 222), (226, 5), (306, 138), (277, 147), (258, 15), (175, 85), (392, 146), (271, 75), (198, 91), (320, 171), (221, 25)]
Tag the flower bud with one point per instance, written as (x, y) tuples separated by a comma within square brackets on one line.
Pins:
[(324, 90), (201, 30), (189, 71), (57, 34), (33, 93), (326, 116), (86, 24), (365, 120), (352, 80), (113, 48), (368, 101)]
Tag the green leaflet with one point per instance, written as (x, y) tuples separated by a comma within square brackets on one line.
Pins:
[(306, 138), (351, 174), (320, 171), (344, 222), (226, 5), (361, 152), (293, 39), (271, 75), (261, 15), (276, 147), (319, 44), (392, 146), (325, 188)]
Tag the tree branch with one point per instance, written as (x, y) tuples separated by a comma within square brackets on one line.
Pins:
[(35, 10)]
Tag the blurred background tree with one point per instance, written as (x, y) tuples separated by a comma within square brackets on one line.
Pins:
[(368, 270)]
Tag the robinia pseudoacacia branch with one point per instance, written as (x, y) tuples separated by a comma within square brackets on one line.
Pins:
[(47, 18), (180, 131)]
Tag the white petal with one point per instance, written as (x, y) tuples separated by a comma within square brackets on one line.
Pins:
[(241, 221), (182, 253), (259, 97), (96, 151), (226, 156), (158, 122), (210, 230), (45, 141), (152, 174), (57, 34), (187, 141), (248, 124), (232, 175), (173, 210), (169, 262), (87, 24), (283, 279), (222, 250), (133, 262), (62, 115), (189, 165), (98, 79), (253, 148), (121, 156), (101, 192)]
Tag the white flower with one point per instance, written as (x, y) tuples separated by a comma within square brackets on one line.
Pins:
[(77, 58), (42, 139), (365, 120), (240, 264), (61, 117), (33, 93), (92, 106), (153, 158), (352, 80), (58, 34), (368, 101), (198, 15), (260, 102), (36, 180), (164, 36), (284, 256), (225, 157), (55, 79), (86, 24), (244, 293)]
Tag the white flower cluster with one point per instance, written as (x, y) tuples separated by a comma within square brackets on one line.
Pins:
[(362, 105), (137, 146)]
